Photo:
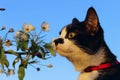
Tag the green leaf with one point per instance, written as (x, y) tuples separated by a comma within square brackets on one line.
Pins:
[(12, 52), (43, 52), (22, 44), (24, 62), (49, 47), (21, 72), (34, 48), (6, 63), (3, 59), (2, 55), (33, 62), (15, 61)]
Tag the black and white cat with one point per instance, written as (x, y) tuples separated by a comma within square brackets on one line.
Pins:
[(83, 44)]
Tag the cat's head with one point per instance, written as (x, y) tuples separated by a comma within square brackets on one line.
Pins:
[(84, 36)]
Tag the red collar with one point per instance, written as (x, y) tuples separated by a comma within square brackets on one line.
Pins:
[(102, 66)]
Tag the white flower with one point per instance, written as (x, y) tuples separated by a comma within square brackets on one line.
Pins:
[(17, 35), (1, 71), (28, 27), (11, 30), (45, 26), (21, 35), (10, 71), (3, 28), (8, 43), (31, 27), (50, 66)]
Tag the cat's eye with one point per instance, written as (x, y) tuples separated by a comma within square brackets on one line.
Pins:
[(71, 35)]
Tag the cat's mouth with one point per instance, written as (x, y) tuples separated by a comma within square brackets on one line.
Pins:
[(54, 45), (56, 42)]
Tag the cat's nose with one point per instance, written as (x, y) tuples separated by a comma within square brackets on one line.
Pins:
[(58, 41)]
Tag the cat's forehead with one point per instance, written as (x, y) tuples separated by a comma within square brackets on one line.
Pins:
[(67, 28), (76, 28)]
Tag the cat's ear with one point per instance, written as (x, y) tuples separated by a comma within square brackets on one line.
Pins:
[(75, 21), (91, 21)]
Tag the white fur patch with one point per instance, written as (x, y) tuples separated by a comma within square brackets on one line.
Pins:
[(88, 76), (67, 48), (82, 60), (63, 33)]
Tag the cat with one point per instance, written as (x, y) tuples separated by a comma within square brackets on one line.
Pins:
[(83, 44)]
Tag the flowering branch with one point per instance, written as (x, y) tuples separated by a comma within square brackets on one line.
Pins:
[(28, 45)]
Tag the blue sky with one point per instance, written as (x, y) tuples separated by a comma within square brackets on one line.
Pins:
[(59, 13)]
